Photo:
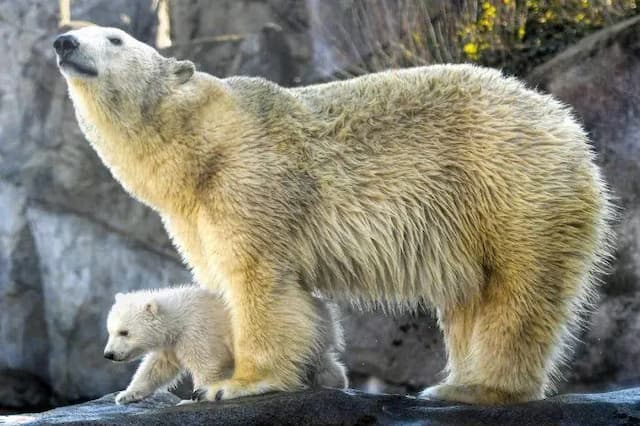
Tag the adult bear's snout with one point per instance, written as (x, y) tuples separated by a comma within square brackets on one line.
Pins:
[(65, 44)]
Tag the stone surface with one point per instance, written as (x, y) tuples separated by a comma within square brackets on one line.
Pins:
[(137, 17), (348, 407), (196, 23), (23, 335), (265, 53)]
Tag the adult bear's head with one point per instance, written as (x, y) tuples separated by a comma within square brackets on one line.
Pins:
[(138, 108), (117, 71)]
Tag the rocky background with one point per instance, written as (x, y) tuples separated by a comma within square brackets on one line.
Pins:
[(70, 237)]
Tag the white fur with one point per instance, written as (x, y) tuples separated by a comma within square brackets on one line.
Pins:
[(168, 327)]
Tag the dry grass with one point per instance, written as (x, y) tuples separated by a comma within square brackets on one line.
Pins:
[(514, 35)]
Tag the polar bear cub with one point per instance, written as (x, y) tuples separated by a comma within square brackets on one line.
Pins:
[(187, 330)]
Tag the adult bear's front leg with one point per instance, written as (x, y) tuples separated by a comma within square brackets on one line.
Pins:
[(274, 330)]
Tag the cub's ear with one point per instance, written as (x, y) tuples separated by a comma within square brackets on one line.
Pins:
[(183, 70), (119, 296), (151, 308)]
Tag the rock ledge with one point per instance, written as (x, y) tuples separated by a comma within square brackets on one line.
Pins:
[(348, 407)]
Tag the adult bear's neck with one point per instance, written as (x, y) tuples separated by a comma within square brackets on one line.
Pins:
[(148, 164)]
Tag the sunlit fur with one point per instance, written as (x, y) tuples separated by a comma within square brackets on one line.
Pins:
[(449, 186), (187, 330)]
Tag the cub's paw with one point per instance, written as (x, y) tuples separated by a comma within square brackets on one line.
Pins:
[(186, 402), (232, 388), (126, 397)]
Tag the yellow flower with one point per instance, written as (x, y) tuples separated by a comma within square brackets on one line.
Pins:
[(487, 24), (489, 10), (521, 32), (471, 50)]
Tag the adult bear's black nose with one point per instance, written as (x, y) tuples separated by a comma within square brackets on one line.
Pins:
[(65, 44), (109, 355)]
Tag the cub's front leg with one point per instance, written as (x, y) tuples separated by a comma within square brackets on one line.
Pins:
[(274, 331), (157, 370)]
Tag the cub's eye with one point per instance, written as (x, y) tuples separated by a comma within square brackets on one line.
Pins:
[(116, 41), (123, 333)]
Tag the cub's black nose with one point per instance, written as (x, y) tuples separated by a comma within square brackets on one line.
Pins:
[(109, 355), (65, 44)]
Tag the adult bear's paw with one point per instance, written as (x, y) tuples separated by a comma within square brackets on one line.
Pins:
[(233, 388), (472, 394)]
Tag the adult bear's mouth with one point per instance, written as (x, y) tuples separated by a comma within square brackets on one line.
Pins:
[(78, 67)]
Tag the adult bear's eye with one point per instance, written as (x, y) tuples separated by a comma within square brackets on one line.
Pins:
[(123, 333), (116, 41)]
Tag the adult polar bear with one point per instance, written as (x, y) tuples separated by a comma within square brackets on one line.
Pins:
[(448, 185)]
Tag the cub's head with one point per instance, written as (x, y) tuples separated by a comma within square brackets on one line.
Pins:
[(115, 69), (135, 327)]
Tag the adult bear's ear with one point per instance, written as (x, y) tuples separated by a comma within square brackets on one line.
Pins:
[(183, 70), (119, 296)]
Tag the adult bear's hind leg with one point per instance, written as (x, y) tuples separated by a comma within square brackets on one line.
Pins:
[(515, 337)]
